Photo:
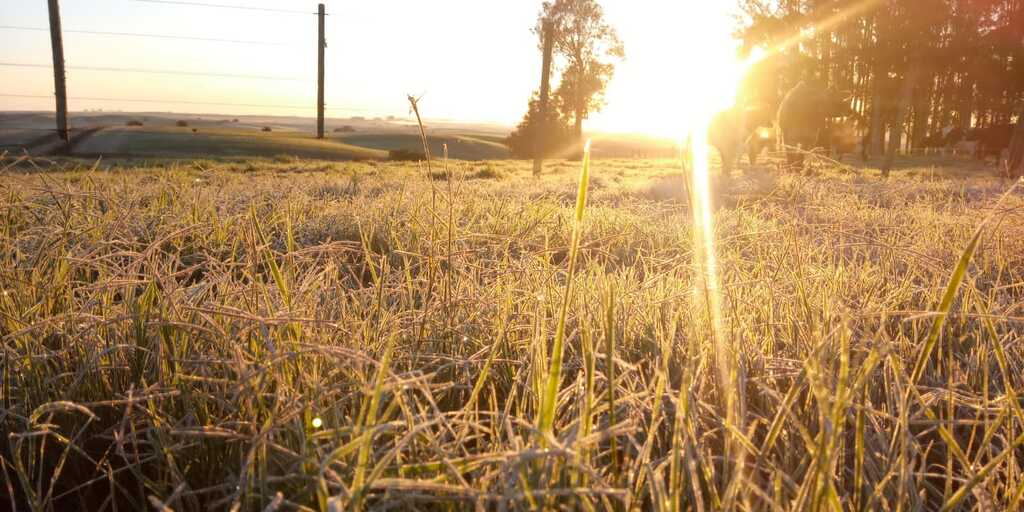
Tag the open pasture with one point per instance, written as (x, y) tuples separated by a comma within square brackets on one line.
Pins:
[(300, 334)]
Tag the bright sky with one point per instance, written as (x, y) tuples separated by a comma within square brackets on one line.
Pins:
[(474, 60)]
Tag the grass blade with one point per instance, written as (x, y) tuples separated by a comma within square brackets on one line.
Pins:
[(554, 374)]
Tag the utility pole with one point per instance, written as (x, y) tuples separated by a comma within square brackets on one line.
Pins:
[(59, 81), (545, 91), (321, 47)]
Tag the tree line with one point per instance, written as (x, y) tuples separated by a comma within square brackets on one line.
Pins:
[(910, 68)]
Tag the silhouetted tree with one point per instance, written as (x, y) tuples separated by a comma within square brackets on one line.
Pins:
[(552, 136), (964, 59), (585, 47), (587, 88), (1016, 161)]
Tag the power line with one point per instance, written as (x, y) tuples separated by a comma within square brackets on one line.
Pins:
[(154, 71), (172, 102), (34, 129), (154, 36), (183, 102), (223, 6)]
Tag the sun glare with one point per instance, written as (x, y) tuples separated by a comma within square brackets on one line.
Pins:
[(712, 59), (680, 63)]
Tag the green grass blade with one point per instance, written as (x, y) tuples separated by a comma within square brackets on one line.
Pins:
[(959, 272), (554, 374)]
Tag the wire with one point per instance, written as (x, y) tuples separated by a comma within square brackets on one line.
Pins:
[(26, 96), (34, 129), (155, 36), (223, 6), (173, 102), (183, 102), (155, 71)]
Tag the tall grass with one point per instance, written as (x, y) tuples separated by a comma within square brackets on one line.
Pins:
[(170, 332), (553, 380)]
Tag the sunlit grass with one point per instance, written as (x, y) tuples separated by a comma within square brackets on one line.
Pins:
[(210, 335), (709, 298), (553, 380)]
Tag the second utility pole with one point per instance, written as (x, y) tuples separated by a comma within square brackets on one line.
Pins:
[(59, 80), (539, 142), (321, 47)]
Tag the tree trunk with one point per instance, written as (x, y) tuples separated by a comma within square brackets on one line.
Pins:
[(922, 101), (896, 135), (966, 109), (876, 133), (1016, 163)]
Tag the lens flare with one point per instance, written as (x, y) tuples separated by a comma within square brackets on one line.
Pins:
[(317, 422), (705, 259), (706, 286)]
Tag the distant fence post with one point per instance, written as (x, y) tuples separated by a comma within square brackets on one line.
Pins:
[(321, 47), (545, 91), (59, 79)]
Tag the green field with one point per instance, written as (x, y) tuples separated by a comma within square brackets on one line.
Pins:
[(221, 136), (173, 142), (296, 335), (462, 147)]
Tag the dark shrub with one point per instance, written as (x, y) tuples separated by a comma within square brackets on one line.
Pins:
[(345, 129), (487, 172), (267, 129), (181, 124), (133, 122), (405, 155)]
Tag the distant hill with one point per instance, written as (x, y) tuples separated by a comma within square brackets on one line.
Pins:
[(462, 147), (216, 142), (219, 135)]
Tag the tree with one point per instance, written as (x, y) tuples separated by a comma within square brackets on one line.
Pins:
[(967, 55), (579, 95), (552, 136), (586, 46), (1016, 163)]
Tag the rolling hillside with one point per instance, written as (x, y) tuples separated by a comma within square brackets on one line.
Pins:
[(462, 147), (216, 142)]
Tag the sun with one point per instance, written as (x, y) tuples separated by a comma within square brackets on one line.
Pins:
[(681, 65)]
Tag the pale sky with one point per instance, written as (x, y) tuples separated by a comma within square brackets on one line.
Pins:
[(473, 60)]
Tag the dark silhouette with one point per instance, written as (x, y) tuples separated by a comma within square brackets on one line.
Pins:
[(547, 47), (763, 138), (585, 45), (993, 140), (839, 137), (552, 137), (730, 129), (803, 117), (405, 155), (960, 61), (1015, 165)]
